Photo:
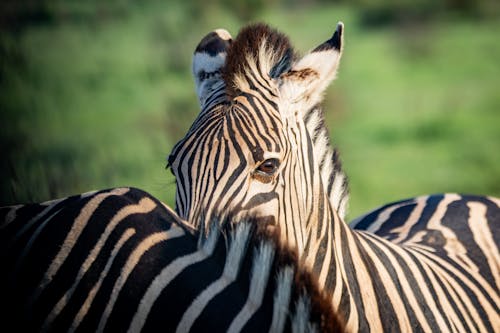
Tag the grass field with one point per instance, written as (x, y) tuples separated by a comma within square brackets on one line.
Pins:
[(92, 101)]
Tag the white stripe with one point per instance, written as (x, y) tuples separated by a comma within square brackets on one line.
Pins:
[(414, 217), (315, 244), (339, 282), (71, 239), (90, 297), (383, 216), (393, 293), (282, 299), (144, 206), (455, 250), (261, 267), (484, 239), (133, 259), (11, 216), (435, 278), (337, 192), (325, 268), (29, 244), (489, 308), (496, 201), (415, 305), (437, 264), (165, 277), (300, 318), (365, 284), (231, 269), (30, 223), (352, 322)]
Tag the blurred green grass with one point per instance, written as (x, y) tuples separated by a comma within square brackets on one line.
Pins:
[(95, 103)]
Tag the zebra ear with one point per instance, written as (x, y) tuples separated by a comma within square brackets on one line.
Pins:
[(208, 60), (309, 77)]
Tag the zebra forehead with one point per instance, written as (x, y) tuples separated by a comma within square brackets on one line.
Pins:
[(257, 47)]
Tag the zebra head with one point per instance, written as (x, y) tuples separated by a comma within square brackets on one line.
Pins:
[(259, 145)]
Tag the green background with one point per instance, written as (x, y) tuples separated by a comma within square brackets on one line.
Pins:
[(94, 94)]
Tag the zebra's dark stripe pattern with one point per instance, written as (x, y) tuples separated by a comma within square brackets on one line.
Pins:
[(440, 252), (208, 71), (435, 269), (121, 261)]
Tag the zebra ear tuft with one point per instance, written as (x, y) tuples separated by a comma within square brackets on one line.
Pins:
[(283, 65), (333, 43), (208, 60), (309, 77)]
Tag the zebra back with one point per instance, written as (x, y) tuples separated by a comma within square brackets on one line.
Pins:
[(119, 260)]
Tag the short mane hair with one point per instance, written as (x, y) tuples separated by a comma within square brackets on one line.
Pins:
[(260, 47)]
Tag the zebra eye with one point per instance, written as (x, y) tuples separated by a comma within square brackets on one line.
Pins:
[(269, 166)]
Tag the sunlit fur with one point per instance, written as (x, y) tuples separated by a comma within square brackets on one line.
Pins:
[(442, 274), (210, 149), (119, 260)]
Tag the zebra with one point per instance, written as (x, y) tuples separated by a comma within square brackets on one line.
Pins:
[(119, 260), (253, 149)]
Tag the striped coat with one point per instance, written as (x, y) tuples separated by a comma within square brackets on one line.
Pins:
[(260, 146), (119, 260)]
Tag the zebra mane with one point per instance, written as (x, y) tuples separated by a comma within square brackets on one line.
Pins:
[(334, 178), (259, 48), (260, 241)]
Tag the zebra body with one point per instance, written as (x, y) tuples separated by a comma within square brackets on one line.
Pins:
[(119, 260), (441, 253), (260, 147)]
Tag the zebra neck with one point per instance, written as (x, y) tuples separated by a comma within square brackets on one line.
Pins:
[(346, 296), (334, 257), (332, 175)]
